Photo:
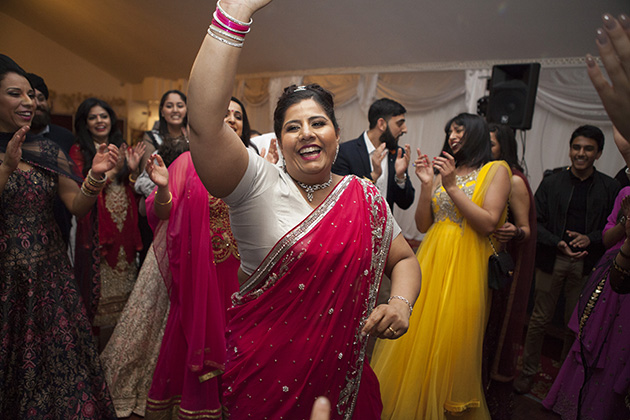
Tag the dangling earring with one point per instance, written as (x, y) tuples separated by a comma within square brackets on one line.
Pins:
[(336, 153), (284, 165)]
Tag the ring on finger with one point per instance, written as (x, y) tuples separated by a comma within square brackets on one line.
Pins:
[(392, 330)]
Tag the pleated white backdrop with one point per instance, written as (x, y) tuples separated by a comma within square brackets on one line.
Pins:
[(565, 100)]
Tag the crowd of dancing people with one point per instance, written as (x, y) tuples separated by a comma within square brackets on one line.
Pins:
[(205, 278)]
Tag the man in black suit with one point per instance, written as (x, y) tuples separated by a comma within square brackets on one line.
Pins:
[(375, 155), (41, 125)]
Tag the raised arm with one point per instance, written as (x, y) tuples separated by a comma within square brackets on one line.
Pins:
[(613, 43), (219, 156)]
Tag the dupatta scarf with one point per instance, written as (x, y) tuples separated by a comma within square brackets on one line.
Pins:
[(183, 248), (294, 329)]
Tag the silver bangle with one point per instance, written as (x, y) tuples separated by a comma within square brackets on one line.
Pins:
[(225, 41), (404, 300)]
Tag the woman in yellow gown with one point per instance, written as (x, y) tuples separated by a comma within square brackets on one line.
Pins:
[(434, 370)]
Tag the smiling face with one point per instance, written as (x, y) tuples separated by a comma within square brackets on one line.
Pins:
[(583, 154), (174, 110), (455, 137), (309, 142), (17, 104), (234, 118), (495, 147), (99, 124)]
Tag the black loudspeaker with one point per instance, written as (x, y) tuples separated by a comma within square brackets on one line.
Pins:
[(513, 94)]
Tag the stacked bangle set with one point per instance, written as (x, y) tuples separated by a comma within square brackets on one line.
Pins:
[(228, 29), (91, 186)]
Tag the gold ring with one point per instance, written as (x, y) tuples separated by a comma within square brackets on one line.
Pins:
[(392, 330)]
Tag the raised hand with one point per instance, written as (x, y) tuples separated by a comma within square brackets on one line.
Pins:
[(424, 168), (248, 6), (157, 171), (445, 164), (377, 157), (272, 156), (13, 154), (613, 43), (106, 158), (134, 155), (402, 161)]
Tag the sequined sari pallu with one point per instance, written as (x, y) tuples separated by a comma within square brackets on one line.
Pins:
[(294, 329)]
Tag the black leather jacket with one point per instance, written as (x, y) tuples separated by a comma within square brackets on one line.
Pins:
[(552, 203)]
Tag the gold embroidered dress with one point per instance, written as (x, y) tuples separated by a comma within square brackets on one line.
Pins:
[(436, 366)]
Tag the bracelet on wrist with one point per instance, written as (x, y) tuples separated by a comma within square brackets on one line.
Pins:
[(404, 300), (163, 204)]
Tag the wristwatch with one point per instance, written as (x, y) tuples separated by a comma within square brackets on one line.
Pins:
[(404, 178)]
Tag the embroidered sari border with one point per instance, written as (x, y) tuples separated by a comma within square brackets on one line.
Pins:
[(292, 237)]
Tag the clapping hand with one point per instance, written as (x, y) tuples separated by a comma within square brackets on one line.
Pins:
[(445, 165), (377, 157), (13, 154), (402, 161), (424, 169), (157, 171), (134, 155), (272, 156), (106, 158)]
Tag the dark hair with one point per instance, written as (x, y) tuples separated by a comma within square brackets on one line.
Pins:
[(38, 83), (384, 108), (475, 150), (170, 150), (84, 138), (590, 132), (507, 143), (7, 65), (247, 131), (163, 125), (296, 94)]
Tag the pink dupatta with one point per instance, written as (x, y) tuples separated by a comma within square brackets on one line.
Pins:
[(192, 354), (294, 329)]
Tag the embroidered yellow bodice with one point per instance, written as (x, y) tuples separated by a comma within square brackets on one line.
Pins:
[(441, 203), (223, 242)]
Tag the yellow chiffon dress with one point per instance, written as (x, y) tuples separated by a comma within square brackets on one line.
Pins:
[(434, 370)]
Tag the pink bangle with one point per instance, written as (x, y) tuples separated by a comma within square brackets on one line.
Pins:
[(226, 29), (220, 15)]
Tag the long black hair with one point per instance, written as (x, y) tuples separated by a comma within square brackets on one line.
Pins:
[(475, 144), (162, 124), (507, 143), (247, 130), (84, 138)]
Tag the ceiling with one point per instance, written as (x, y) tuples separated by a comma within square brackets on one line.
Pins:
[(134, 39)]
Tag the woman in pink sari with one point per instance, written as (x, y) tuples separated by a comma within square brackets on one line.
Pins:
[(198, 259), (313, 248)]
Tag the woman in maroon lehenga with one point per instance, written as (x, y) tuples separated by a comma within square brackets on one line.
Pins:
[(49, 366)]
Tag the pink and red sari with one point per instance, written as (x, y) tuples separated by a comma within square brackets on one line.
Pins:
[(294, 330), (198, 260)]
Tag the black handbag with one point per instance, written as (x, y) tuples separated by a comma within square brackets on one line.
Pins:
[(500, 269)]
